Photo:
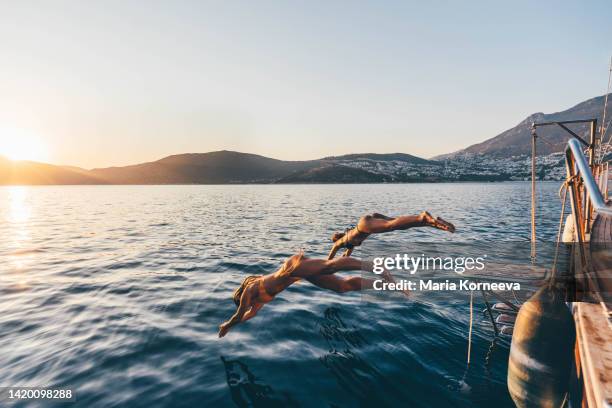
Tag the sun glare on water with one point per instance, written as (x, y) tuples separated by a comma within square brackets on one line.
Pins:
[(19, 144)]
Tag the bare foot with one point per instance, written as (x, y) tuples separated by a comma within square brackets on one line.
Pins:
[(438, 222), (387, 277), (444, 225)]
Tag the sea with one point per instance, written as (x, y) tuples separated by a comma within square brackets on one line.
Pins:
[(116, 293)]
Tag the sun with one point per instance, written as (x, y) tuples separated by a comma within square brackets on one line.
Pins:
[(20, 144)]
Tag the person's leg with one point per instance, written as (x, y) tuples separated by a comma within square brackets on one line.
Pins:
[(382, 217), (354, 283), (342, 285), (380, 225), (437, 222), (309, 267), (407, 221), (345, 263), (423, 219)]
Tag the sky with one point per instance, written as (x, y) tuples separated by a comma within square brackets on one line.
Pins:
[(106, 83)]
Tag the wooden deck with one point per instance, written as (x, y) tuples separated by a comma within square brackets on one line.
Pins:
[(602, 230), (601, 256), (592, 317)]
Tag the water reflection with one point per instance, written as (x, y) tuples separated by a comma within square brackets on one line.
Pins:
[(18, 234), (360, 379), (19, 212), (249, 391)]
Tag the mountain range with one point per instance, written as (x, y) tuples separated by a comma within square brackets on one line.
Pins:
[(221, 167), (227, 167), (517, 140)]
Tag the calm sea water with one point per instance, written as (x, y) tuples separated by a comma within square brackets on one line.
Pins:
[(117, 291)]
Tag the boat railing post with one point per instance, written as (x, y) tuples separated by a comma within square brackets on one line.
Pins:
[(605, 185), (572, 181), (578, 161), (599, 176), (587, 202)]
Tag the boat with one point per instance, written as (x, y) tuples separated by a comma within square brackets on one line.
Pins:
[(561, 352)]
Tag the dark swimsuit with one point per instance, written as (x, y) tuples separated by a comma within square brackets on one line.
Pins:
[(347, 244)]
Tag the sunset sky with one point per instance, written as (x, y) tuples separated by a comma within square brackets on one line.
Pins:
[(114, 82)]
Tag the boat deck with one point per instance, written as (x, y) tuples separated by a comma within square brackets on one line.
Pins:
[(601, 257), (593, 328)]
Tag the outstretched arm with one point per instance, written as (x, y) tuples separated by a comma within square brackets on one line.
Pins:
[(245, 304), (348, 252), (335, 248), (252, 312)]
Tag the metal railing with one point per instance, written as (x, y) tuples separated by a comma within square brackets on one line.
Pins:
[(577, 160), (585, 196)]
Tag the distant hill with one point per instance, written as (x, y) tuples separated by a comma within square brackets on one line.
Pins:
[(204, 168), (517, 140), (33, 173)]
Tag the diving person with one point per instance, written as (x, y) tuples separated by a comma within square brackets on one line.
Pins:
[(257, 290), (378, 223)]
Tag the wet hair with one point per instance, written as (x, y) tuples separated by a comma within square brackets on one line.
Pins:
[(246, 282), (337, 235)]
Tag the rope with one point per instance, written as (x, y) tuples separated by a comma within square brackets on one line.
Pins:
[(489, 356), (564, 188), (469, 351), (484, 297), (604, 127), (515, 297), (606, 147), (551, 144)]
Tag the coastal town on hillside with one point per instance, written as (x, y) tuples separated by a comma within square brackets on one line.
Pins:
[(465, 167)]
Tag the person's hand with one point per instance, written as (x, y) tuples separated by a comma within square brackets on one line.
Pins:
[(223, 329)]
